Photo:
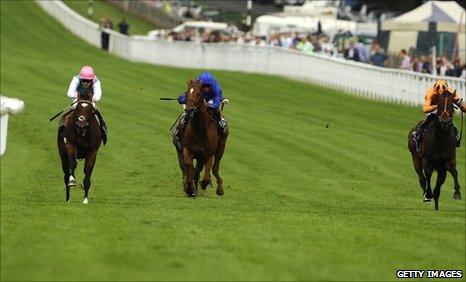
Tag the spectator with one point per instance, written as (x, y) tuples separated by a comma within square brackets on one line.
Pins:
[(405, 60), (305, 46), (426, 67), (123, 26), (377, 58), (352, 53), (463, 72), (105, 25), (362, 51), (457, 69), (444, 67), (416, 64)]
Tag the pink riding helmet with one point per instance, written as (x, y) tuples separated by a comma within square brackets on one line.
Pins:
[(87, 72)]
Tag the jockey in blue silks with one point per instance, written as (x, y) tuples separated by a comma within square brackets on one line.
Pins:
[(212, 93)]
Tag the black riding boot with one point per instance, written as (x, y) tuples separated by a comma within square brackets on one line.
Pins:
[(103, 126), (421, 130), (222, 122), (179, 131)]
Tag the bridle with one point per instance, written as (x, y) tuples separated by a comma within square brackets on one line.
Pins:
[(195, 102), (82, 130), (445, 112)]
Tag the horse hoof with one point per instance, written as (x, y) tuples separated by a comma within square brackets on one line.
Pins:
[(72, 181), (204, 184), (220, 192), (457, 196), (85, 201)]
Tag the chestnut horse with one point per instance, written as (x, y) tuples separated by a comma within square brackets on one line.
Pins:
[(201, 141), (80, 139), (437, 151)]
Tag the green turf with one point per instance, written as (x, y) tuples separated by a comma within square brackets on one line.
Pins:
[(302, 201), (102, 8)]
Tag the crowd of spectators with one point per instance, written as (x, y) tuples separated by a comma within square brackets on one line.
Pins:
[(423, 64), (357, 50)]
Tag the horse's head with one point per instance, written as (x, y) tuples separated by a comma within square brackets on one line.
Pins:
[(445, 109), (194, 100), (82, 116)]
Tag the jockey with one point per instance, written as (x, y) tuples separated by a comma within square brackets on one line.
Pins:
[(212, 93), (440, 87), (81, 84)]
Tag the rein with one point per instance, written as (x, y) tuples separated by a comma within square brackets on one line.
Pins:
[(461, 129)]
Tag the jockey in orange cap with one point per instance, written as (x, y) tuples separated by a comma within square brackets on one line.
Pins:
[(86, 82), (439, 88)]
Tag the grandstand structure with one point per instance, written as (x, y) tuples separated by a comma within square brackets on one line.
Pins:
[(391, 85)]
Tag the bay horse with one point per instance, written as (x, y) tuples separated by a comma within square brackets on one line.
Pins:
[(201, 141), (437, 151), (80, 139)]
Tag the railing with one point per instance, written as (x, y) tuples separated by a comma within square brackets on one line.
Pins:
[(384, 84)]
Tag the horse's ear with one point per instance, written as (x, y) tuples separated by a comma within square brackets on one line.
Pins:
[(190, 81)]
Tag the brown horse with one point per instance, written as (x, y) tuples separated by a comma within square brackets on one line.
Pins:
[(437, 151), (80, 139), (201, 141)]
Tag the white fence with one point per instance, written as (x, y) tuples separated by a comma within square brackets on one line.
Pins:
[(361, 79)]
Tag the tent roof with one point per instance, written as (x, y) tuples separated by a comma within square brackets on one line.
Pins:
[(434, 11)]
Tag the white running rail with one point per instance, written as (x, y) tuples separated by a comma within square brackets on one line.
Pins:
[(391, 85)]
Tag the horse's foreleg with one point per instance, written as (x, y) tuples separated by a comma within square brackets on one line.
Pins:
[(216, 167), (428, 175), (72, 163), (188, 163), (207, 169), (440, 180), (88, 168), (452, 169)]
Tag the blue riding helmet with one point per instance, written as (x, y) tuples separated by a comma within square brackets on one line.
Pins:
[(213, 97)]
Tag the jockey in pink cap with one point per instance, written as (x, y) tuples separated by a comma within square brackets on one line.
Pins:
[(86, 82)]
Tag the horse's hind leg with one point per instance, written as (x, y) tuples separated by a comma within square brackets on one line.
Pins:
[(207, 177), (66, 173), (72, 152), (181, 162), (440, 180), (452, 169), (216, 166), (428, 175), (88, 168), (418, 168)]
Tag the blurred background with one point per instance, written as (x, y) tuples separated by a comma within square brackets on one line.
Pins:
[(419, 35)]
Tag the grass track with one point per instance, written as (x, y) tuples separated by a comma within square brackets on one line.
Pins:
[(302, 202)]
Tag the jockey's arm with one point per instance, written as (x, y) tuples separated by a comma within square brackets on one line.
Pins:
[(458, 100), (97, 89), (428, 107), (215, 102), (182, 99), (72, 93)]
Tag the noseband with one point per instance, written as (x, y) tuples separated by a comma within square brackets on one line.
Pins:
[(445, 112), (82, 130)]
